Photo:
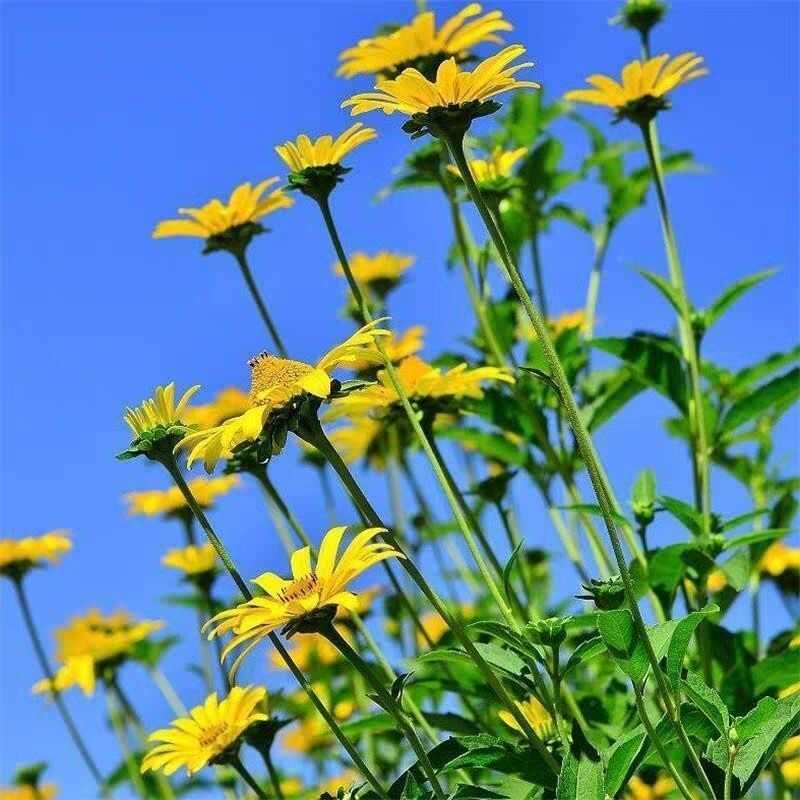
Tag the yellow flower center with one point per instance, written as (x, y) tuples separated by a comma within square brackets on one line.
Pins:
[(210, 735), (300, 588), (269, 374)]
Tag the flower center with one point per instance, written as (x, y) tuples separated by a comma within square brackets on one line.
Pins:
[(300, 588), (210, 735), (272, 378)]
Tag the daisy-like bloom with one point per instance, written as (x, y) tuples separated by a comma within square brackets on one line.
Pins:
[(18, 556), (278, 386), (358, 440), (157, 423), (170, 502), (644, 86), (384, 269), (447, 105), (536, 714), (638, 789), (316, 165), (435, 626), (193, 561), (228, 403), (493, 173), (569, 320), (211, 734), (231, 225), (309, 651), (716, 581), (293, 602), (421, 45), (397, 346), (87, 645), (780, 558), (331, 786), (425, 385), (46, 791)]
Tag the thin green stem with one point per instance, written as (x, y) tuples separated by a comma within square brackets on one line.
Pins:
[(168, 691), (47, 670), (597, 475), (262, 476), (593, 289), (241, 260), (274, 778), (514, 541), (131, 764), (726, 792), (236, 763), (555, 676), (538, 275)]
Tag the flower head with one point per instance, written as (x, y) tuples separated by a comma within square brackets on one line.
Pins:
[(194, 561), (92, 643), (638, 789), (396, 346), (309, 595), (316, 165), (209, 735), (278, 389), (171, 502), (18, 556), (45, 791), (447, 105), (421, 45), (380, 272), (641, 15), (644, 87), (436, 627), (494, 173), (157, 423), (309, 651), (228, 403), (536, 714), (780, 558), (231, 225)]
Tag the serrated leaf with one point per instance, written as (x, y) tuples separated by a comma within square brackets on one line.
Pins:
[(681, 637), (707, 700), (585, 651)]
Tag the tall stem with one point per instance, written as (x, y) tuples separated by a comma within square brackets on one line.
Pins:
[(538, 276), (262, 476), (131, 765), (593, 290), (597, 475), (47, 670), (241, 260), (236, 763)]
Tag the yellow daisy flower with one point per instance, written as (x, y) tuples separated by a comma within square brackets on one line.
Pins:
[(435, 627), (211, 734), (343, 781), (275, 383), (716, 581), (170, 501), (309, 651), (87, 644), (246, 204), (397, 347), (17, 556), (193, 560), (47, 791), (780, 558), (495, 169), (228, 403), (383, 267), (644, 86), (355, 441), (420, 44), (456, 96), (569, 320), (536, 714), (309, 590), (324, 151), (638, 789)]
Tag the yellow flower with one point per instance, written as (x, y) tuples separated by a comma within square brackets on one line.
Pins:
[(169, 501), (644, 85), (383, 267), (324, 151), (396, 346), (354, 441), (454, 89), (716, 581), (275, 382), (192, 560), (496, 166), (569, 320), (210, 733), (309, 589), (435, 627), (791, 772), (536, 714), (309, 651), (245, 204), (791, 747), (228, 403), (639, 790), (780, 558), (420, 44), (17, 556), (793, 688), (343, 781), (88, 643), (47, 791), (309, 734), (156, 418), (421, 382)]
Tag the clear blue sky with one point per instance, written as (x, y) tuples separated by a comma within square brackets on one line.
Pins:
[(118, 113)]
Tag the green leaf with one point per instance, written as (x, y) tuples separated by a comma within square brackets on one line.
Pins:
[(654, 360), (376, 722), (735, 522), (743, 379), (665, 287), (687, 515), (733, 293), (756, 537), (679, 642), (581, 778), (614, 397), (450, 722), (707, 700), (585, 651), (780, 390), (623, 758), (737, 569), (776, 672)]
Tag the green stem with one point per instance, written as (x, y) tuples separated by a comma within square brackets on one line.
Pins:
[(168, 691), (388, 703), (47, 670), (263, 478), (538, 276), (593, 290), (241, 260), (274, 778), (236, 763), (515, 541), (597, 475), (172, 467), (726, 792), (555, 676), (131, 765)]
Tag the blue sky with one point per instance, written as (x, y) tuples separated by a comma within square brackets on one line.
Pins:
[(117, 114)]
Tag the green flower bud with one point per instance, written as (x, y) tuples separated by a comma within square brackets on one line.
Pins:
[(608, 594), (549, 632)]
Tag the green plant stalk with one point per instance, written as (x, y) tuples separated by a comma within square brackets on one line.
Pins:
[(168, 691), (593, 289), (515, 541), (47, 671), (262, 476), (274, 778), (241, 260), (688, 341), (236, 763), (388, 703), (659, 746), (726, 792), (132, 767), (172, 467), (597, 475), (359, 497)]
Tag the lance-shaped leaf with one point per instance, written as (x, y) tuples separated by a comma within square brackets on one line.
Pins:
[(733, 293), (777, 393)]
